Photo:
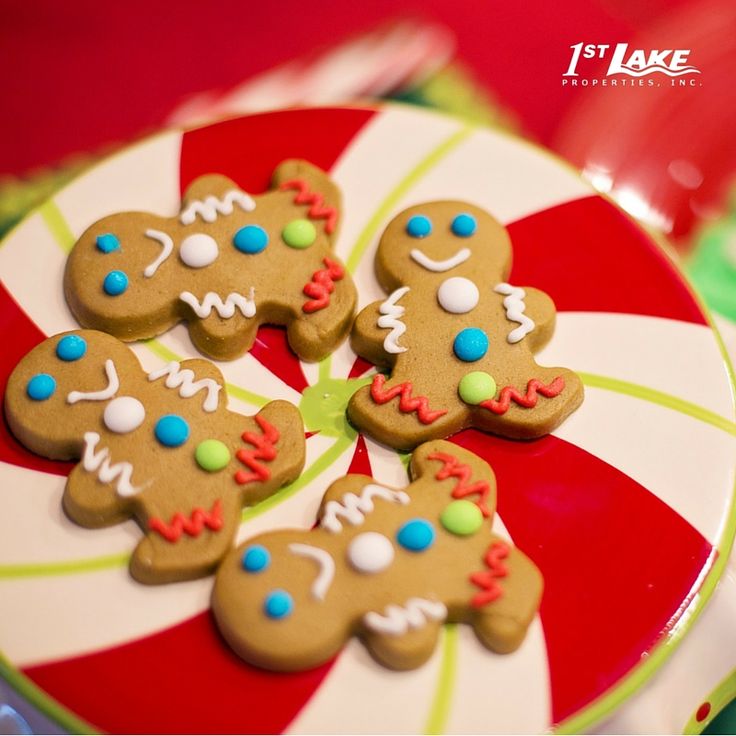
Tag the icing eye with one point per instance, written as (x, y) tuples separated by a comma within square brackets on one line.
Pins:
[(370, 552), (458, 295), (461, 517), (123, 415), (470, 344), (41, 387), (476, 387), (464, 225), (212, 455), (278, 604), (107, 243), (299, 234), (198, 250), (115, 283), (71, 347), (419, 226), (171, 430), (416, 535), (256, 558), (251, 239)]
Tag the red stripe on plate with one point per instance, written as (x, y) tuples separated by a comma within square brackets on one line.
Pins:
[(588, 256), (248, 149), (182, 680), (18, 335), (619, 565)]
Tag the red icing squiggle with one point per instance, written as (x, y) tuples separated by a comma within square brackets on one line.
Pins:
[(264, 451), (528, 400), (316, 200), (407, 402), (191, 525), (487, 580), (322, 285), (453, 468)]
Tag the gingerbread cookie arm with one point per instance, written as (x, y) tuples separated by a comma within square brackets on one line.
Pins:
[(91, 502), (541, 310), (508, 592), (368, 339), (272, 451), (314, 190)]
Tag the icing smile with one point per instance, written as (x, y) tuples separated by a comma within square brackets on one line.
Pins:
[(225, 309), (440, 266)]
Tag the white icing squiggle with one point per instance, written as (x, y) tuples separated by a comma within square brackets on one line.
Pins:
[(326, 564), (392, 313), (399, 620), (440, 266), (113, 384), (225, 309), (211, 206), (100, 463), (515, 306), (353, 508), (183, 379), (167, 246)]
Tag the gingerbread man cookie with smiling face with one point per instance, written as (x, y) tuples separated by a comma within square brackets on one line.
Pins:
[(162, 447), (388, 565), (458, 338), (226, 264)]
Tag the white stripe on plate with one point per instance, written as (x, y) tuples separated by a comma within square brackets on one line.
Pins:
[(360, 696), (32, 268), (34, 528), (49, 618), (143, 178), (678, 358), (504, 175), (686, 463)]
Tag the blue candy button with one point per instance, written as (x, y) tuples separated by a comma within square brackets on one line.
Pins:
[(71, 347), (107, 243), (40, 387), (250, 239), (278, 604), (470, 344), (256, 558), (419, 226), (464, 225), (416, 535), (116, 282), (171, 430)]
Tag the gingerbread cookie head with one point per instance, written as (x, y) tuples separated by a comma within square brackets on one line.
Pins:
[(458, 338), (438, 239), (227, 263), (162, 447), (388, 565)]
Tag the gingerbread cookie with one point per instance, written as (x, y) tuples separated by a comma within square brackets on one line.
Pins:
[(458, 338), (388, 565), (226, 264), (161, 447)]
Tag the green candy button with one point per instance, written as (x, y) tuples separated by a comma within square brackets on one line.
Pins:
[(476, 387), (212, 455), (299, 234), (461, 518)]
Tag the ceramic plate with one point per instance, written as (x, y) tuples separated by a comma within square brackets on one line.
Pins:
[(627, 508)]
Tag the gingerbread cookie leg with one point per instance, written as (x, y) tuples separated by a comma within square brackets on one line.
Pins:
[(187, 543), (404, 637), (401, 415)]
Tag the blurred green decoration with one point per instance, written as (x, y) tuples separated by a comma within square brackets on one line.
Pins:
[(724, 722), (454, 90), (712, 265)]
